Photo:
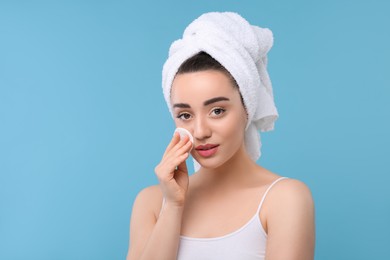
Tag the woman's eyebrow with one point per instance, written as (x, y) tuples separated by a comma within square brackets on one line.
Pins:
[(181, 105), (206, 103), (213, 100)]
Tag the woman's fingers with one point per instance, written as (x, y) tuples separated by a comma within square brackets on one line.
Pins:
[(172, 163), (175, 139), (182, 167), (172, 170), (178, 146), (175, 154)]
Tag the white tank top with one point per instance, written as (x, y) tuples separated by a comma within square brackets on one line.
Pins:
[(246, 243)]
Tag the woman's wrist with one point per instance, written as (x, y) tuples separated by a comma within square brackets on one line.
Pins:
[(173, 206)]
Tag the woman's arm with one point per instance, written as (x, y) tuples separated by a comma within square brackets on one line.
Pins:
[(290, 222), (157, 237), (151, 238)]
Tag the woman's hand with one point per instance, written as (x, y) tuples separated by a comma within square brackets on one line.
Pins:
[(172, 171)]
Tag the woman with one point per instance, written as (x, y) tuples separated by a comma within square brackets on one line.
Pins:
[(216, 85)]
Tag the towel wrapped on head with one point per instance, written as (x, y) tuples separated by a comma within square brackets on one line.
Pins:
[(242, 49)]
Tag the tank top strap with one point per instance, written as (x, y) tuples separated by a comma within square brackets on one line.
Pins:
[(266, 192)]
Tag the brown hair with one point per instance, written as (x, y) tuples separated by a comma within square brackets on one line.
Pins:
[(201, 62)]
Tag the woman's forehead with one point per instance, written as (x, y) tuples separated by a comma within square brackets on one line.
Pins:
[(203, 84)]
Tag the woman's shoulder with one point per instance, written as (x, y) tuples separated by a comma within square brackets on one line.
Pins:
[(282, 185), (289, 196), (149, 198), (290, 187), (286, 190), (150, 192)]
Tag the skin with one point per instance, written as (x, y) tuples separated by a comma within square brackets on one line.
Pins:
[(196, 204)]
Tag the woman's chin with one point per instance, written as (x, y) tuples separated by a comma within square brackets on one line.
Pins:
[(209, 163)]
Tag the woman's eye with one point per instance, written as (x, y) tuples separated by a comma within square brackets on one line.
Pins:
[(184, 116), (218, 111)]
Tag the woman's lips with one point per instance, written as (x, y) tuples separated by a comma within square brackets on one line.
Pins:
[(207, 150)]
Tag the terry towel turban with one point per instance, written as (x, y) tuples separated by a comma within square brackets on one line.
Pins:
[(242, 49)]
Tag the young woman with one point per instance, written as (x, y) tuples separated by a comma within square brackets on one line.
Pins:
[(230, 208)]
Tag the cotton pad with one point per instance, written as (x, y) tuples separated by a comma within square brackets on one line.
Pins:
[(183, 132)]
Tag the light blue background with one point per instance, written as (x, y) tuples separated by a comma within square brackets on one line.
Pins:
[(83, 121)]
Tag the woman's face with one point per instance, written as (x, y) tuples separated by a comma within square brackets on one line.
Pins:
[(207, 105)]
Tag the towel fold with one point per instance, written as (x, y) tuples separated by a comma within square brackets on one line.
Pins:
[(242, 49)]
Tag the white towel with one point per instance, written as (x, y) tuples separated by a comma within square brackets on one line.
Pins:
[(242, 49)]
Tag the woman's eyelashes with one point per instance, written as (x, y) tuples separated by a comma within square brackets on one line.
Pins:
[(217, 112), (214, 113), (184, 116)]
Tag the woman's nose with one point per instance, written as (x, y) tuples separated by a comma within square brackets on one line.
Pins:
[(201, 129)]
